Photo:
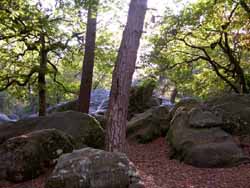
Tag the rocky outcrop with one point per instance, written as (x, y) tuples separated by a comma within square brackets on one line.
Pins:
[(234, 110), (141, 97), (203, 119), (197, 139), (149, 125), (27, 156), (83, 128), (91, 168), (185, 104)]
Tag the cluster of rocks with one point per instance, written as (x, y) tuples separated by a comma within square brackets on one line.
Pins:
[(70, 141), (149, 125), (199, 133)]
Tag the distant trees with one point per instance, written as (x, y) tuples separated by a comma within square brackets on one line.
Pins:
[(122, 77), (89, 57)]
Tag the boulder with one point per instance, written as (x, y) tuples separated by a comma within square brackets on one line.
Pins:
[(14, 117), (203, 119), (84, 129), (101, 119), (97, 96), (27, 156), (234, 110), (4, 118), (185, 104), (92, 168), (64, 106), (141, 99), (205, 146), (149, 125)]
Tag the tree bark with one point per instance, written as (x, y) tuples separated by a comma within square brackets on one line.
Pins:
[(88, 62), (41, 77), (237, 68), (122, 77)]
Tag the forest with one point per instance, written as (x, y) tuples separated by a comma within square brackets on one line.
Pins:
[(124, 93)]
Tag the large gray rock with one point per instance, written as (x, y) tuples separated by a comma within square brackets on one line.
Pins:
[(64, 106), (141, 99), (97, 97), (4, 118), (149, 125), (91, 168), (101, 119), (185, 104), (27, 156), (202, 147), (234, 110), (203, 119), (84, 129)]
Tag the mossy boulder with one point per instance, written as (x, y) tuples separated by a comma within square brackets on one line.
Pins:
[(149, 125), (92, 168), (27, 156), (185, 105), (101, 119), (204, 146), (65, 106), (203, 119), (84, 129), (234, 110), (141, 97)]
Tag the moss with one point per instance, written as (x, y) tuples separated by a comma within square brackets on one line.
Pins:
[(149, 135), (140, 96)]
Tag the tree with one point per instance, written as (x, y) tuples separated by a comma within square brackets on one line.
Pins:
[(122, 77), (89, 57), (207, 42), (29, 42), (41, 76)]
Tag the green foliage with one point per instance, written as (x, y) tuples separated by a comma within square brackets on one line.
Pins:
[(21, 24), (197, 49)]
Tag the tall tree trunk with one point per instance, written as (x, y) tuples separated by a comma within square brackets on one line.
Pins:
[(122, 77), (88, 62), (41, 77)]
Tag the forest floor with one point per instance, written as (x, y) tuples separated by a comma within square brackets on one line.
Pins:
[(158, 171)]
